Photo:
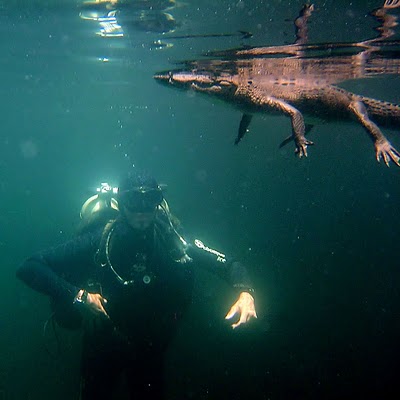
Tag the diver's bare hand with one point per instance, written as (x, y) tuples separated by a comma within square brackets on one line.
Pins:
[(245, 307), (94, 303)]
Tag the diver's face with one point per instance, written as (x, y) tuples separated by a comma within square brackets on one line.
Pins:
[(139, 220)]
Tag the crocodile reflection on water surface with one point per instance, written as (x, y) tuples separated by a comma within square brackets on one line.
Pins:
[(301, 80)]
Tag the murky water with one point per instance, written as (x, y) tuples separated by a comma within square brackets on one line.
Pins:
[(79, 104)]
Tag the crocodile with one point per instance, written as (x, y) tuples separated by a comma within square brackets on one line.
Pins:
[(299, 80)]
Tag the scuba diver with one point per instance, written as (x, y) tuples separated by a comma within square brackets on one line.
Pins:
[(127, 284)]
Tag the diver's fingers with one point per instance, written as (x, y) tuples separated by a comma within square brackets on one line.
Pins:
[(251, 314), (95, 303), (102, 310), (242, 320), (103, 301), (231, 313)]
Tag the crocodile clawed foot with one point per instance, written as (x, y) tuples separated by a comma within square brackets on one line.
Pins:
[(301, 148), (386, 151)]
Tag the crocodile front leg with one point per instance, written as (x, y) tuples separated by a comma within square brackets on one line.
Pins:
[(297, 120), (383, 148), (298, 126)]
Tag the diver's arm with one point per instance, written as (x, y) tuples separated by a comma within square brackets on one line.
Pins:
[(244, 307), (233, 272), (40, 277), (53, 272)]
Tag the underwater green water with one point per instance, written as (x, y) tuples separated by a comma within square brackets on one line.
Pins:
[(319, 234)]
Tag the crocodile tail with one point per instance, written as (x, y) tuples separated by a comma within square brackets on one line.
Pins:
[(382, 111)]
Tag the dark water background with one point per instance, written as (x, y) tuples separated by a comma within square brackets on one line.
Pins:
[(319, 235)]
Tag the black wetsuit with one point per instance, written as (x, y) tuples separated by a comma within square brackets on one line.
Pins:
[(144, 313)]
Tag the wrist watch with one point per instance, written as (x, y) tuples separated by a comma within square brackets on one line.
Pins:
[(81, 297)]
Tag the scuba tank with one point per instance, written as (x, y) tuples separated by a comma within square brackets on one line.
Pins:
[(100, 208)]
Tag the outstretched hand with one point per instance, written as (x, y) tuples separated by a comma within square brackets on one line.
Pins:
[(245, 307)]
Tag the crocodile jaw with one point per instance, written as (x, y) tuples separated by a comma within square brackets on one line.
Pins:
[(198, 81), (184, 79)]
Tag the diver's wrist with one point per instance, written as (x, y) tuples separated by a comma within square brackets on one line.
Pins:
[(244, 288), (81, 297)]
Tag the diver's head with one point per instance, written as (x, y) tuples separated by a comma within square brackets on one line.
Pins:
[(139, 196)]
